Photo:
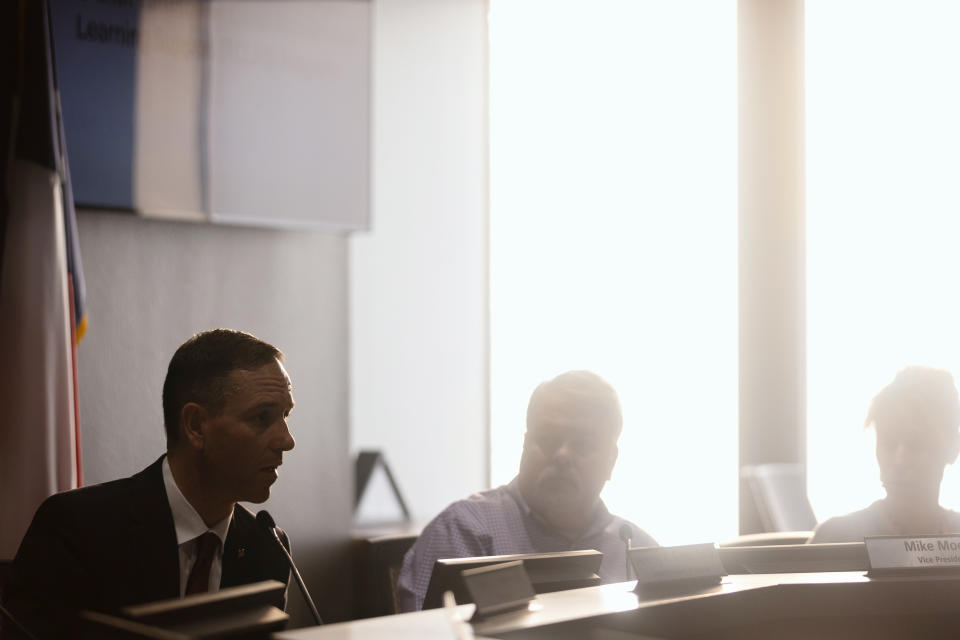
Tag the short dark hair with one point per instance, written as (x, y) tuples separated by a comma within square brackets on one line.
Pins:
[(922, 395), (200, 368), (583, 388)]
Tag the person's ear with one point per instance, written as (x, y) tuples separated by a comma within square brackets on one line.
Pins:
[(193, 418)]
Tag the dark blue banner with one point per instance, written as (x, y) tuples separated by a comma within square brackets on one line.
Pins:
[(95, 45)]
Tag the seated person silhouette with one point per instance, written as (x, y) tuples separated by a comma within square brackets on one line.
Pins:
[(916, 418), (553, 504)]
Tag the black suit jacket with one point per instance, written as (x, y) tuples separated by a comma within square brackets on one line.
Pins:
[(111, 545)]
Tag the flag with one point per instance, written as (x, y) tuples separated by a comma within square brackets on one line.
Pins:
[(40, 276)]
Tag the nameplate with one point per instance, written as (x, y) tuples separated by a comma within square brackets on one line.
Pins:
[(498, 588), (890, 555), (686, 566)]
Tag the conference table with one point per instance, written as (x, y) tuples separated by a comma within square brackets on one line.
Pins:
[(842, 604)]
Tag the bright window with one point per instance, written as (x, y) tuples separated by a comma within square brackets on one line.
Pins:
[(613, 239), (883, 216)]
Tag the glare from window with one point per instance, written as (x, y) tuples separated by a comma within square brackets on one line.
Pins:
[(883, 223), (613, 240)]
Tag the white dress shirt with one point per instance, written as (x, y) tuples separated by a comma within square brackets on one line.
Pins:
[(190, 526)]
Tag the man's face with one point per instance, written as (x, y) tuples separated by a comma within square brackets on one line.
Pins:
[(243, 445), (568, 454), (911, 458)]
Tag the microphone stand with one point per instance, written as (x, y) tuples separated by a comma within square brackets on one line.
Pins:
[(626, 534), (266, 521), (17, 626), (296, 574)]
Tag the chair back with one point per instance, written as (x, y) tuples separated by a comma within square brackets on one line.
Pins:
[(779, 491), (380, 559)]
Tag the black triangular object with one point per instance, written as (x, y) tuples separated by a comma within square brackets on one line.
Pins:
[(366, 463)]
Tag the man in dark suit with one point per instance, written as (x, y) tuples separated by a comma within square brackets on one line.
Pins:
[(175, 528)]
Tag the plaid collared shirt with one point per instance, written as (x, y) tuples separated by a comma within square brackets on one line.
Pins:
[(499, 522)]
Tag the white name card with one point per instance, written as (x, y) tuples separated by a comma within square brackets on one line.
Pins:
[(898, 554), (692, 564)]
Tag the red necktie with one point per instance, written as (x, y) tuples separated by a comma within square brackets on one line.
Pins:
[(199, 579)]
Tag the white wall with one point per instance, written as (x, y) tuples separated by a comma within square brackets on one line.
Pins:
[(151, 285), (403, 308), (418, 283)]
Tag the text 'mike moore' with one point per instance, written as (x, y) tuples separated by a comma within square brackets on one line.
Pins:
[(927, 545)]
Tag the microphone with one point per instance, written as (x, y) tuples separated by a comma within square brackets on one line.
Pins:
[(266, 521), (626, 534)]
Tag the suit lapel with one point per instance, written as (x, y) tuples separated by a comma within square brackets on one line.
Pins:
[(251, 555), (237, 557), (246, 553), (157, 569)]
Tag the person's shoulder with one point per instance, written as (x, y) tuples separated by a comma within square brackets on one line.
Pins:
[(91, 499), (850, 527), (484, 504), (81, 517), (487, 500), (490, 498), (475, 510), (834, 529), (638, 537), (952, 519)]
